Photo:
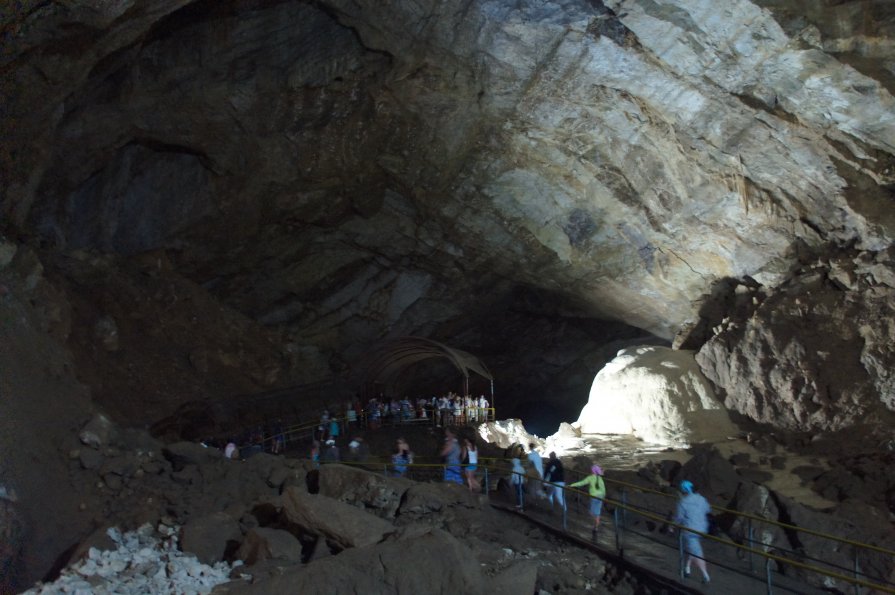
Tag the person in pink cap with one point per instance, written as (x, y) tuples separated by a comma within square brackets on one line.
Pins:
[(597, 491)]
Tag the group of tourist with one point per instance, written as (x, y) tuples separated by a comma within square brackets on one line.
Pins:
[(460, 459), (691, 512), (448, 409), (552, 475), (328, 451)]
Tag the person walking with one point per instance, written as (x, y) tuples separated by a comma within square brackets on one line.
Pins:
[(596, 489), (692, 512), (471, 461), (538, 463), (401, 458), (450, 455), (555, 474), (517, 479)]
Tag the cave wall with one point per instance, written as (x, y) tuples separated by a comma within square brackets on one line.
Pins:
[(345, 172), (218, 197)]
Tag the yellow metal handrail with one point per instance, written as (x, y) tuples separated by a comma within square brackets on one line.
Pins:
[(726, 542), (658, 519), (746, 515)]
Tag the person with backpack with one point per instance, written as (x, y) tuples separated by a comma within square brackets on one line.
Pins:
[(596, 489)]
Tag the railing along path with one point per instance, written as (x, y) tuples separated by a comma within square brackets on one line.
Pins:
[(622, 511)]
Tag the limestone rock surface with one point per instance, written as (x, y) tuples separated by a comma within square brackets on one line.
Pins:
[(814, 353), (340, 523), (657, 394), (359, 487), (439, 563), (262, 543), (412, 166)]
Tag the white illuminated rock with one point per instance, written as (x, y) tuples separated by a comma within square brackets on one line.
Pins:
[(507, 432), (142, 563), (657, 394)]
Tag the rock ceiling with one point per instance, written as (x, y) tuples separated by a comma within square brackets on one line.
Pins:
[(357, 169)]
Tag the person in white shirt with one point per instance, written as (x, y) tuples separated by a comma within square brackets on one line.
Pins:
[(538, 463), (470, 464), (483, 406)]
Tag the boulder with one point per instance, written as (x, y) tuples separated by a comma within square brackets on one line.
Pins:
[(207, 537), (372, 491), (711, 473), (425, 498), (139, 441), (340, 523), (285, 475), (874, 564), (668, 469), (99, 540), (657, 394), (190, 453), (263, 543), (97, 432), (123, 466), (755, 475), (434, 562), (740, 459), (756, 500), (812, 355), (90, 458), (838, 484), (808, 473), (520, 577), (861, 513)]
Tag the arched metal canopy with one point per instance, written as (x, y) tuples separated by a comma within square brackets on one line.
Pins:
[(388, 360)]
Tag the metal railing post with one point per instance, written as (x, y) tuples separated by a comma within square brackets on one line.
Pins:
[(486, 487), (767, 569), (618, 537), (857, 571), (385, 469), (680, 553), (565, 519), (750, 537), (625, 509)]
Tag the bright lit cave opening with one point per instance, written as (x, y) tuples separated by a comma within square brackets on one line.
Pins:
[(658, 395)]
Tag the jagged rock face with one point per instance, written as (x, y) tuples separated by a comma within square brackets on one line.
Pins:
[(353, 171), (815, 354), (626, 153)]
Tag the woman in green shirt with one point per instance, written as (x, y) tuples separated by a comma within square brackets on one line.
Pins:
[(597, 491)]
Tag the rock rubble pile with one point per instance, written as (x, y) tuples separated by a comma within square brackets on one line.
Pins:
[(145, 561)]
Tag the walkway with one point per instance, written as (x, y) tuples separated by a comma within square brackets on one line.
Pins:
[(634, 535), (634, 539)]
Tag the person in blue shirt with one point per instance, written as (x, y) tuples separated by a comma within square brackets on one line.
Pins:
[(450, 454), (692, 513)]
